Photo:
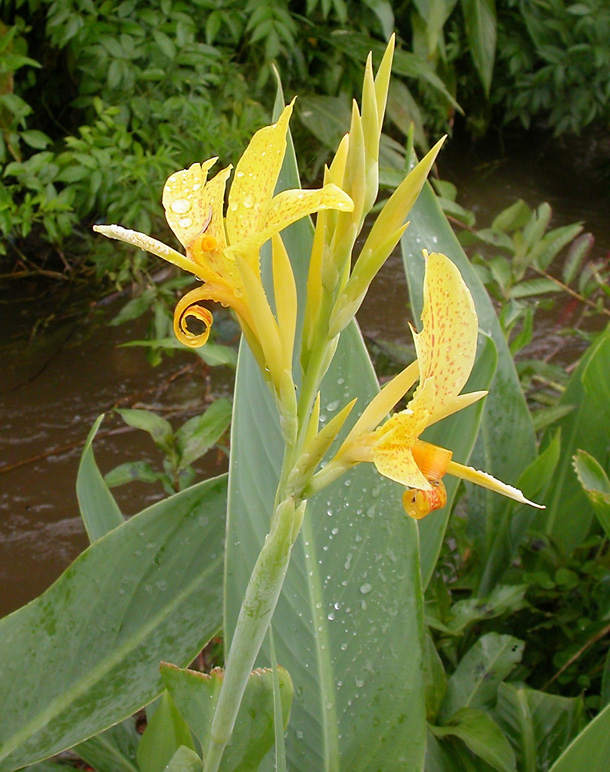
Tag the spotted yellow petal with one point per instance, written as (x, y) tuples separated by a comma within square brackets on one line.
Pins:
[(447, 344), (285, 296), (255, 178), (487, 481), (148, 244), (186, 204), (392, 449), (288, 207)]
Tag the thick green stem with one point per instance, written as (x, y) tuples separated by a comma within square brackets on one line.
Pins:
[(255, 615)]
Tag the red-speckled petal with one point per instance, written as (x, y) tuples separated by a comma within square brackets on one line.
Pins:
[(447, 344)]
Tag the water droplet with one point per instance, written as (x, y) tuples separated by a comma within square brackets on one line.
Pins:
[(239, 174), (366, 588), (359, 683), (180, 206), (185, 222), (332, 405), (247, 201), (343, 646)]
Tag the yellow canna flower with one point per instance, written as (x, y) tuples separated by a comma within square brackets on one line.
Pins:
[(446, 349), (223, 250)]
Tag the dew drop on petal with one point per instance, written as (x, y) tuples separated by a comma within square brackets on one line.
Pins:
[(180, 206), (185, 222)]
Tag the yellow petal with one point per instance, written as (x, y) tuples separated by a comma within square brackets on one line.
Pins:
[(447, 344), (487, 481), (255, 178), (381, 404), (148, 244), (188, 206), (263, 322), (418, 504), (456, 404), (288, 207), (398, 464), (285, 295), (291, 205)]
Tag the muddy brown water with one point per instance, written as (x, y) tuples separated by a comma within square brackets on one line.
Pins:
[(54, 384)]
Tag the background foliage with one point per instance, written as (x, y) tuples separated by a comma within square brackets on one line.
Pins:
[(99, 102)]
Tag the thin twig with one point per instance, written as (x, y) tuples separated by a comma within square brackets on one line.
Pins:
[(604, 631)]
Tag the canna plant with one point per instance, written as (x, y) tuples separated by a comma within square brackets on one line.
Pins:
[(223, 250)]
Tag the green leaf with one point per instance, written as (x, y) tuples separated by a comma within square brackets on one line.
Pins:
[(596, 485), (35, 139), (435, 680), (479, 673), (130, 471), (184, 760), (196, 695), (480, 21), (98, 508), (348, 625), (159, 429), (514, 519), (568, 516), (113, 750), (482, 735), (197, 435), (539, 726), (512, 218), (165, 732), (503, 598), (505, 414), (326, 117), (590, 750), (94, 639)]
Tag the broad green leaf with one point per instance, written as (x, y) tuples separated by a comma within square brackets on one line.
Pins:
[(513, 520), (506, 442), (480, 21), (596, 485), (539, 726), (184, 760), (113, 750), (435, 680), (326, 117), (166, 731), (197, 435), (98, 508), (479, 673), (503, 598), (159, 428), (94, 639), (348, 625), (590, 751), (568, 516), (482, 735), (196, 694)]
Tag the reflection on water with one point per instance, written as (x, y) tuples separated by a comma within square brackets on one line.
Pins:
[(52, 389)]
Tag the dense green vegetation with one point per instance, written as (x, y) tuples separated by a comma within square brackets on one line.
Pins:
[(100, 101)]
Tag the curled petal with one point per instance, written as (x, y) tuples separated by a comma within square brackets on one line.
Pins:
[(418, 504), (186, 309), (189, 307)]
